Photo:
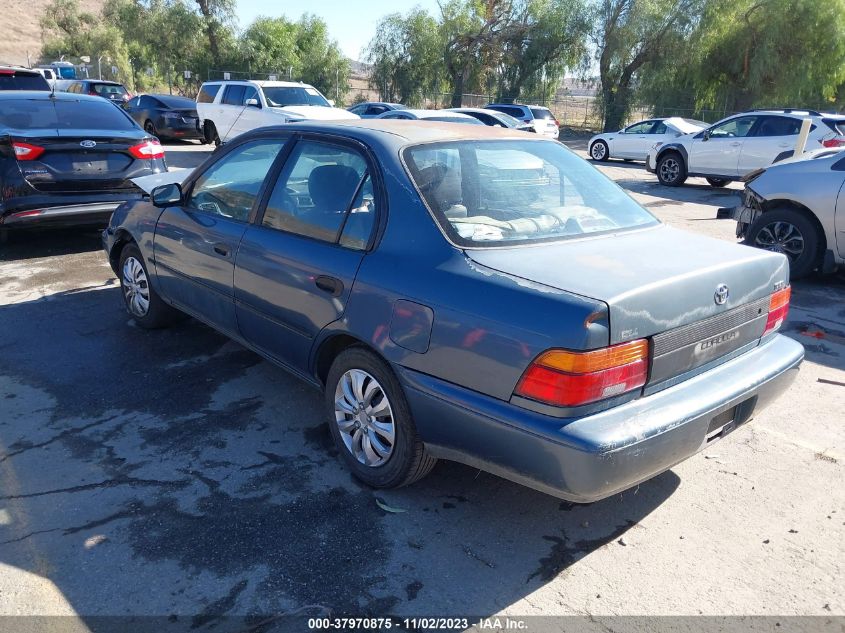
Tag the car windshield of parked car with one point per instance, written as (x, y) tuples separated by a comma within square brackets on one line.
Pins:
[(105, 90), (22, 81), (507, 119), (176, 102), (486, 193), (28, 114), (541, 113), (280, 96), (453, 119)]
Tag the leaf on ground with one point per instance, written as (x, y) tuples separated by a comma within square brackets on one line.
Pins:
[(381, 504)]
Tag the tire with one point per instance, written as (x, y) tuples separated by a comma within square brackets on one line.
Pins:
[(404, 461), (599, 151), (150, 128), (211, 135), (718, 182), (671, 170), (789, 232), (140, 299)]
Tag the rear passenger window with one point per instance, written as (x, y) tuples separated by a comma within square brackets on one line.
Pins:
[(234, 95), (779, 126), (321, 193), (229, 187), (207, 93)]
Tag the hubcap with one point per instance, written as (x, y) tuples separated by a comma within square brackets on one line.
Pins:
[(136, 289), (781, 237), (364, 417), (669, 169), (598, 151)]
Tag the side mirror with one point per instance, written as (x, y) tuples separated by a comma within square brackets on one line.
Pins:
[(706, 136), (252, 103), (166, 195)]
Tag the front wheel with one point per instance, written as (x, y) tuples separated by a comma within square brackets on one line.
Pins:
[(371, 422), (141, 300), (671, 170), (789, 232), (599, 151), (717, 182)]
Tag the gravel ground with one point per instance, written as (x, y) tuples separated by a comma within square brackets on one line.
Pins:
[(174, 473)]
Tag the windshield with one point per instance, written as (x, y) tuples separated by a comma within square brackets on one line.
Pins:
[(108, 89), (29, 114), (281, 96), (453, 119), (507, 119), (486, 193), (541, 113), (23, 81)]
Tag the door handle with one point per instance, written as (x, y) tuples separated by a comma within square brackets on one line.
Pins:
[(221, 249), (735, 144), (329, 284)]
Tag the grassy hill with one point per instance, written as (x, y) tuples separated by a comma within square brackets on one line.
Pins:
[(20, 32)]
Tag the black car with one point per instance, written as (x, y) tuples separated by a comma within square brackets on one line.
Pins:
[(166, 116), (111, 90), (16, 78), (68, 159)]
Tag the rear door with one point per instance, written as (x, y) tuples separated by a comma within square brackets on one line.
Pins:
[(770, 138), (717, 152), (228, 110), (633, 141), (196, 242), (296, 265)]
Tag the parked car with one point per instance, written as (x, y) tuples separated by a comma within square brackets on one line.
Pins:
[(494, 118), (18, 78), (539, 118), (740, 144), (445, 116), (111, 90), (166, 116), (371, 109), (371, 260), (634, 142), (229, 108), (794, 208), (68, 159), (48, 73)]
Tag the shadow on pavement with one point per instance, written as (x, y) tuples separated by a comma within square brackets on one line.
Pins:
[(817, 319), (32, 244), (174, 473)]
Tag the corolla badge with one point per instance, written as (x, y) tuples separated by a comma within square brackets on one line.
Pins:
[(721, 294), (88, 144)]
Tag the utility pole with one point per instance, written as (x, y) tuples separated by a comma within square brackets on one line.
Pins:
[(337, 84)]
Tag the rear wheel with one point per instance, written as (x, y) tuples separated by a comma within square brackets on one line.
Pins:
[(141, 300), (789, 232), (599, 151), (371, 423), (150, 128), (671, 170), (210, 133), (718, 182)]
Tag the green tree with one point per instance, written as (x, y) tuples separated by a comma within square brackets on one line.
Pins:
[(322, 64), (629, 35), (405, 55), (270, 44)]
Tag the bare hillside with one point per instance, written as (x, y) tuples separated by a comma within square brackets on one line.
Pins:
[(20, 32)]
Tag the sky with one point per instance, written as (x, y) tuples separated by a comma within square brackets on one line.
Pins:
[(351, 22)]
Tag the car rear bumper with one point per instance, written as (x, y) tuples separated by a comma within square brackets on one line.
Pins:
[(180, 131), (589, 458), (95, 211)]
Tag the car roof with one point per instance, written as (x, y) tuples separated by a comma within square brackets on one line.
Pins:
[(399, 133), (43, 95), (261, 82), (426, 114), (19, 69)]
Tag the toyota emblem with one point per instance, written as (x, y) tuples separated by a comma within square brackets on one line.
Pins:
[(88, 144), (721, 294)]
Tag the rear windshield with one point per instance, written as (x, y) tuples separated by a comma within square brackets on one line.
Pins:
[(837, 125), (23, 81), (108, 89), (454, 119), (207, 93), (294, 95), (29, 114), (541, 113), (494, 193), (176, 102)]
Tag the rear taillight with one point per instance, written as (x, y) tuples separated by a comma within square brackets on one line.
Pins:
[(778, 309), (26, 151), (147, 150), (567, 379), (836, 141)]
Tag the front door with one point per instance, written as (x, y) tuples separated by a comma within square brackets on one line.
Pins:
[(296, 265), (717, 152), (633, 141), (196, 242)]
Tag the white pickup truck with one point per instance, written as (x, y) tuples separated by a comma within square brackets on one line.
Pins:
[(228, 108)]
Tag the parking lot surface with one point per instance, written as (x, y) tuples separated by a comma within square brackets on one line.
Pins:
[(174, 473)]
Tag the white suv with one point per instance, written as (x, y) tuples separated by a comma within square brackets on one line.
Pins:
[(739, 144), (229, 108)]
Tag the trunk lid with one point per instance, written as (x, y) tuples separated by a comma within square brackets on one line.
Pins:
[(659, 283), (70, 163)]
